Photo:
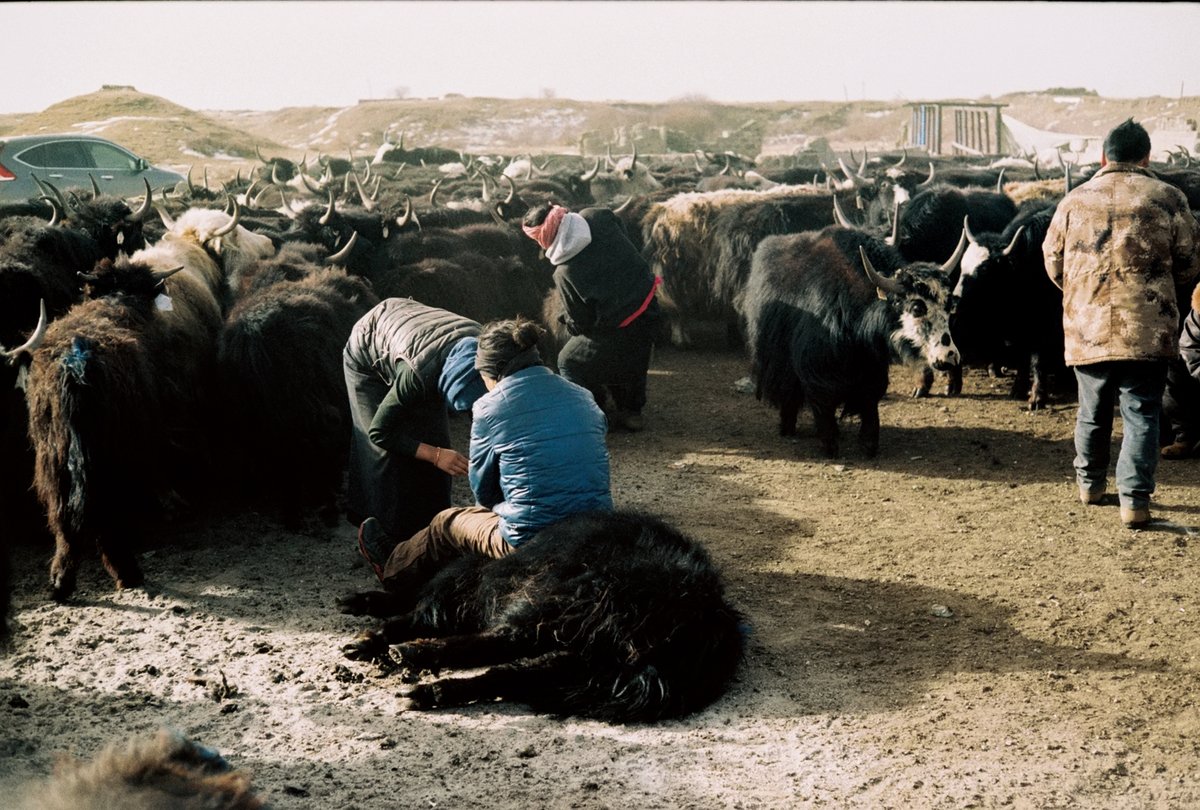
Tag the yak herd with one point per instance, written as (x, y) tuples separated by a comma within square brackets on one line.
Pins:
[(162, 352)]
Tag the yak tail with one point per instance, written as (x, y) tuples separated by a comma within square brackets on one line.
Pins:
[(74, 484)]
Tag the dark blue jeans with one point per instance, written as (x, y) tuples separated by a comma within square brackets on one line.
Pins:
[(1137, 387)]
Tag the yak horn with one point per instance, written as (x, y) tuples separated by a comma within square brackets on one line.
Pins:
[(233, 223), (854, 179), (190, 187), (367, 202), (167, 222), (206, 188), (512, 189), (344, 253), (140, 214), (407, 217), (1000, 182), (58, 195), (259, 154), (903, 157), (95, 185), (55, 214), (275, 174), (623, 206), (887, 285), (967, 230), (953, 261), (310, 184), (587, 177), (928, 181), (39, 333), (633, 162), (1013, 242), (433, 193), (166, 274), (494, 210), (839, 215), (328, 215), (891, 240)]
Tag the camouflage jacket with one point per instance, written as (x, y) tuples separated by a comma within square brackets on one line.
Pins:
[(1119, 246)]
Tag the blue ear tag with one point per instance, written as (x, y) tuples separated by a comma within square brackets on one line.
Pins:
[(163, 302)]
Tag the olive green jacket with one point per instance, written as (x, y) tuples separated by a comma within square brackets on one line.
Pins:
[(1119, 246)]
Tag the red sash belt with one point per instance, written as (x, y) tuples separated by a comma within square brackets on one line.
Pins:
[(646, 303)]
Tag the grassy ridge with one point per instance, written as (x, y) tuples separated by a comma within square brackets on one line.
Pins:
[(175, 136)]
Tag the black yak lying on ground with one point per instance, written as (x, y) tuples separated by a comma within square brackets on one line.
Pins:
[(165, 772), (611, 615)]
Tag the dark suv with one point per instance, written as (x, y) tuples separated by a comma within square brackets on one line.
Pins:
[(68, 160)]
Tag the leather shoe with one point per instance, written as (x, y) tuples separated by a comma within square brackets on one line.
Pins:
[(1134, 518), (1179, 449), (1090, 497)]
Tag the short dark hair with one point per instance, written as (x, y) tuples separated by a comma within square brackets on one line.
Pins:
[(1127, 143), (537, 215)]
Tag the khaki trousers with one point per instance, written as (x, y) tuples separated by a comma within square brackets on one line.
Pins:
[(452, 533)]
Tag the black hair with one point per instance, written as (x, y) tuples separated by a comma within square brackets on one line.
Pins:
[(536, 216), (506, 347), (1127, 143)]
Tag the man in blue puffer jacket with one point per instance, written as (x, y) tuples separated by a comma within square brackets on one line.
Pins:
[(538, 455)]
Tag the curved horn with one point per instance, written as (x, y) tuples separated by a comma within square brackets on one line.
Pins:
[(167, 222), (1013, 242), (344, 253), (891, 240), (367, 202), (839, 215), (95, 185), (696, 157), (1000, 182), (275, 175), (633, 163), (484, 194), (259, 154), (433, 193), (140, 214), (588, 177), (967, 230), (903, 157), (58, 195), (494, 210), (725, 168), (55, 213), (608, 161), (206, 188), (328, 215), (403, 220), (512, 189), (39, 333), (191, 189), (850, 175), (310, 184), (862, 167), (623, 206), (233, 223), (952, 263), (888, 285), (928, 181), (166, 274)]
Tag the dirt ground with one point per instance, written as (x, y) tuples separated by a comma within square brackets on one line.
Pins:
[(941, 626)]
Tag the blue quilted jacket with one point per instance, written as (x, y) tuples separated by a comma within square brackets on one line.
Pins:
[(537, 452)]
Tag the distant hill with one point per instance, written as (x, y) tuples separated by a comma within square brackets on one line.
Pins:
[(176, 137)]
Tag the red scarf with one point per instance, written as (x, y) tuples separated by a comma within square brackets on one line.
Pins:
[(544, 234)]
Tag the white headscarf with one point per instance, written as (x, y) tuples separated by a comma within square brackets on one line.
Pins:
[(573, 236)]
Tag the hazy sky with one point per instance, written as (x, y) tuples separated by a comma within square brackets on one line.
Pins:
[(266, 55)]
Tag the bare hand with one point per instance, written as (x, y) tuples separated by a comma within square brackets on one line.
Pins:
[(451, 461)]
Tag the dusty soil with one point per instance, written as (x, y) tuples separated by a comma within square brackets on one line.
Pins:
[(941, 626)]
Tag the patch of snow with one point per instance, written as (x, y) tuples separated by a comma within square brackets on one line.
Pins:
[(1067, 99), (92, 127), (879, 114)]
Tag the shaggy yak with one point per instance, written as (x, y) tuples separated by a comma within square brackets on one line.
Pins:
[(165, 772), (610, 615)]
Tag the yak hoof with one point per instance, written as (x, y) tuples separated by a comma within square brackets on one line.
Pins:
[(366, 603), (368, 646), (920, 392), (422, 695)]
